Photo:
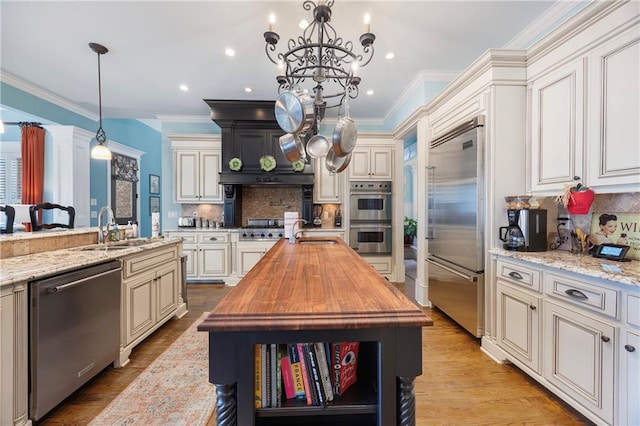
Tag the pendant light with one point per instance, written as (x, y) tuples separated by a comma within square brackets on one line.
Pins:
[(100, 151)]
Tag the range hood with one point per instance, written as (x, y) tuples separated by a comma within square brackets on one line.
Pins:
[(250, 132)]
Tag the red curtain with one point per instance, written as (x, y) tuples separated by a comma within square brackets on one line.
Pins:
[(32, 164)]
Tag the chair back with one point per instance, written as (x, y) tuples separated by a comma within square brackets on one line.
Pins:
[(35, 212), (10, 212)]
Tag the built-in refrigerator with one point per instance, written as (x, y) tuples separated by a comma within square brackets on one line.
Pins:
[(455, 207)]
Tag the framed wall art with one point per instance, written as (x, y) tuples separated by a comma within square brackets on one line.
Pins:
[(154, 184), (154, 204)]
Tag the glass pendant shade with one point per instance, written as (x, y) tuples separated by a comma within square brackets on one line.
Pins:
[(101, 152)]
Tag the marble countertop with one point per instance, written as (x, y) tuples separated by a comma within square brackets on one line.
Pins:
[(192, 229), (621, 272), (32, 266)]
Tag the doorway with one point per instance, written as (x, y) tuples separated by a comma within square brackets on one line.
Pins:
[(410, 210)]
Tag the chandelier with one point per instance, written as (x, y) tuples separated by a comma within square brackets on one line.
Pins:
[(100, 151), (320, 56)]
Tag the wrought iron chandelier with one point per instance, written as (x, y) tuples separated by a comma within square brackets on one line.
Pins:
[(100, 151), (321, 55)]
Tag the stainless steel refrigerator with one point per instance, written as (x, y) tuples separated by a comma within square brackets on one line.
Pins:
[(455, 182)]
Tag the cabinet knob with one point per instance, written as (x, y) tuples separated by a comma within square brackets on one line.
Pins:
[(605, 339), (629, 348), (532, 307)]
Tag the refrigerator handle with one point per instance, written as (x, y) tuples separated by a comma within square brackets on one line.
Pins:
[(467, 277), (431, 183)]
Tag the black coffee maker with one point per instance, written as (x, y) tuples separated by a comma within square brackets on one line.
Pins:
[(527, 230)]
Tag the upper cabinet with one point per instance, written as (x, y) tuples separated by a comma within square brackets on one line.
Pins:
[(372, 159), (584, 96), (327, 187), (196, 163)]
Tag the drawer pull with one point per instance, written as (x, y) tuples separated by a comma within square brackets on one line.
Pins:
[(605, 339), (514, 274), (533, 308), (576, 293), (213, 239), (629, 348)]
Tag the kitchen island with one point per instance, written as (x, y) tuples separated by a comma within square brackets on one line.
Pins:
[(317, 290)]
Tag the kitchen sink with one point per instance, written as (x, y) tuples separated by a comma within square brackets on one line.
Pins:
[(132, 243), (317, 242)]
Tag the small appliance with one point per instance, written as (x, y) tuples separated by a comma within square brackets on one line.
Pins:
[(527, 230), (317, 214), (187, 222), (337, 219)]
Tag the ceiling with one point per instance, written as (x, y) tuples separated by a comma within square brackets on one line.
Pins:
[(154, 46)]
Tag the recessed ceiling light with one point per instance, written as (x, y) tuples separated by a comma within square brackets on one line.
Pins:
[(303, 24), (229, 52), (390, 55), (184, 87), (248, 89), (370, 92)]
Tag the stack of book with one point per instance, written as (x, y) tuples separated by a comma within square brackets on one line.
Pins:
[(313, 372)]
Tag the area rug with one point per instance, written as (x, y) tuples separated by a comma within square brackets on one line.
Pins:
[(172, 390)]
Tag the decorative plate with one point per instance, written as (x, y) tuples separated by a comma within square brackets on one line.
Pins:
[(235, 164), (267, 163), (298, 166)]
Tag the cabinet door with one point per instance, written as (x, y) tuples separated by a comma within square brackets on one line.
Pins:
[(167, 283), (579, 358), (359, 167), (187, 176), (247, 258), (629, 374), (518, 325), (381, 163), (139, 305), (327, 188), (6, 358), (214, 260), (252, 145), (614, 108), (210, 164), (557, 121), (191, 251)]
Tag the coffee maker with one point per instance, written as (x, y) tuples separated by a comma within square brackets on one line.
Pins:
[(527, 230)]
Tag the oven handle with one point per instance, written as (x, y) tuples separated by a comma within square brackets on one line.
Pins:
[(369, 193), (370, 226)]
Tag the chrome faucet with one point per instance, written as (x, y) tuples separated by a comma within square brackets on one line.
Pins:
[(101, 232), (292, 237)]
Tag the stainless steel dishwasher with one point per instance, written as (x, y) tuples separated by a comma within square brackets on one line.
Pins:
[(74, 332)]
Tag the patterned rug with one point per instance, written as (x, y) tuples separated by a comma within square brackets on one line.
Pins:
[(173, 390)]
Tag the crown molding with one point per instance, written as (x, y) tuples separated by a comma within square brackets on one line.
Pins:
[(46, 95), (185, 119)]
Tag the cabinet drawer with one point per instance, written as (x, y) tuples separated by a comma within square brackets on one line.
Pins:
[(586, 295), (633, 310), (149, 259), (187, 237), (518, 274), (213, 238)]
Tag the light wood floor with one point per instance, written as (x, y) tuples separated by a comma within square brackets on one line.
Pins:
[(460, 384)]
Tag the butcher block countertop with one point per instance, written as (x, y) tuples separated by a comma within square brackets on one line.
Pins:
[(313, 285)]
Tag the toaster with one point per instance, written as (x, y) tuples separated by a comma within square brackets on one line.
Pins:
[(186, 222)]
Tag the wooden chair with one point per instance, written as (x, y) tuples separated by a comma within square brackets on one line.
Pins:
[(10, 212), (35, 212)]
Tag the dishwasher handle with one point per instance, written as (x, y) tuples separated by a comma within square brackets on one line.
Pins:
[(67, 286)]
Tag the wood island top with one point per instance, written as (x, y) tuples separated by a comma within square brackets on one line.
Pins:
[(313, 286)]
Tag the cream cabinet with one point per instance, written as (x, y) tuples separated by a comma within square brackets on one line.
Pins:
[(580, 357), (197, 163), (382, 264), (327, 188), (630, 362), (371, 162), (151, 289), (557, 136), (584, 96), (208, 254), (249, 253)]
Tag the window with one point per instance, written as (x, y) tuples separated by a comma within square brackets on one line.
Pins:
[(10, 173)]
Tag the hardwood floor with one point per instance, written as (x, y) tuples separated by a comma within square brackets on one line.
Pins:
[(459, 384)]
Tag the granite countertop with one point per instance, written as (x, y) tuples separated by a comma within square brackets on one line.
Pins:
[(620, 272), (192, 229), (31, 266)]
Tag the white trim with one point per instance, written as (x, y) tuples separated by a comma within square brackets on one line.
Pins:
[(125, 150), (46, 95), (129, 152), (185, 119)]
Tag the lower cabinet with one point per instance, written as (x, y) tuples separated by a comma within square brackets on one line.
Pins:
[(577, 335), (208, 254), (580, 358), (382, 264), (150, 295), (249, 253)]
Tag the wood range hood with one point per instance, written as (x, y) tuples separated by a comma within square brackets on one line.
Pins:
[(249, 132)]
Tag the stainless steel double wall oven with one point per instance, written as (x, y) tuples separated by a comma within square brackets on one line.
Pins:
[(370, 206)]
